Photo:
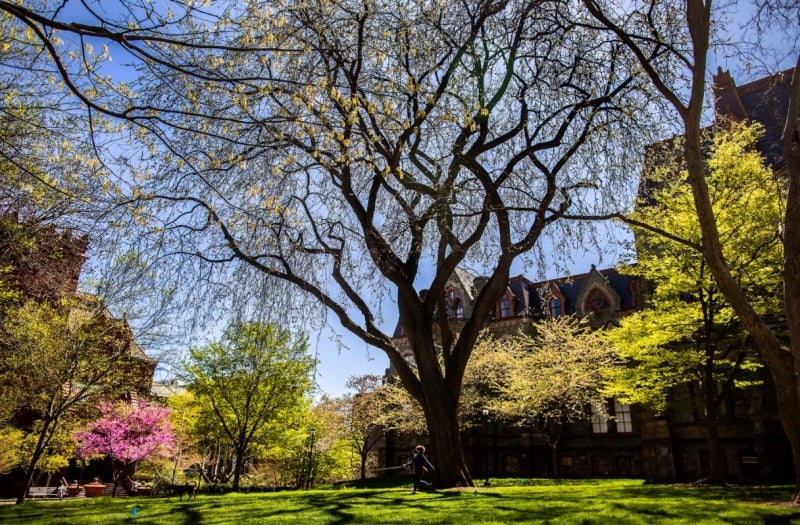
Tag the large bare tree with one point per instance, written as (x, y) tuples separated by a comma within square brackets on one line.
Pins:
[(355, 150)]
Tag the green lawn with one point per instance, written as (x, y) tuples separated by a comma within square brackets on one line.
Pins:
[(531, 501)]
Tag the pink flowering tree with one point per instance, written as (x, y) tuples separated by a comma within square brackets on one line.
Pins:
[(127, 433)]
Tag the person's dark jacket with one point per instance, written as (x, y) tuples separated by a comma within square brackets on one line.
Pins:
[(420, 462)]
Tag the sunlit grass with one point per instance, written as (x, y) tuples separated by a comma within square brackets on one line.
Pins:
[(507, 501)]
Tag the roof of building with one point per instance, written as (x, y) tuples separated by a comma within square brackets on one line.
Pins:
[(530, 297), (765, 100), (166, 389), (571, 287)]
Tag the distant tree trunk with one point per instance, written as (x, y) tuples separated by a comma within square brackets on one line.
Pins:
[(716, 474), (554, 460), (123, 476), (711, 401), (38, 451), (239, 466), (363, 455)]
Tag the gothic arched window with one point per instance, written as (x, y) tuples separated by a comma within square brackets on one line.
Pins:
[(453, 305), (597, 301)]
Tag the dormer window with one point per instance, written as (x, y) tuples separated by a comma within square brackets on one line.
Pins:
[(453, 305), (505, 308), (555, 307)]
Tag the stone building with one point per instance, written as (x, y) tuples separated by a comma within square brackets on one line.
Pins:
[(634, 442)]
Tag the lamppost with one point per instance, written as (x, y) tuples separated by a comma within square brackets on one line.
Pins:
[(485, 412), (313, 433)]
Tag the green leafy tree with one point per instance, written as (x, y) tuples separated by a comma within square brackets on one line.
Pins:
[(546, 380), (58, 360), (200, 441), (185, 415), (249, 380), (362, 414), (690, 333), (10, 442), (333, 457), (674, 44)]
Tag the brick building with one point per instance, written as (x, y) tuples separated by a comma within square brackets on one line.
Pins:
[(43, 264)]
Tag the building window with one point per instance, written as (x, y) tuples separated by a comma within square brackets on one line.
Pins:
[(510, 465), (622, 415), (599, 419), (596, 301), (555, 307), (453, 305), (505, 308)]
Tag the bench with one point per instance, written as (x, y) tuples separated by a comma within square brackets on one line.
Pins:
[(43, 492)]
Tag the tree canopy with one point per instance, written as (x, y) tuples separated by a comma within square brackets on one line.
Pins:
[(57, 361), (127, 433), (343, 147), (688, 333), (249, 381), (544, 380), (673, 44), (685, 308)]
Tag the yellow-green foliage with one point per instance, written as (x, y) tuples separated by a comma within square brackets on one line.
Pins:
[(545, 380), (250, 386), (60, 449), (687, 319), (57, 363), (10, 441)]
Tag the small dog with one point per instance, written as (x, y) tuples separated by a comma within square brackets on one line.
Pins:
[(179, 490)]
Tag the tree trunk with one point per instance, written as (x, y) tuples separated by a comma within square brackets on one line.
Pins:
[(716, 459), (364, 464), (554, 460), (783, 364), (237, 469), (786, 391), (28, 482), (41, 443), (716, 473), (445, 450), (790, 144)]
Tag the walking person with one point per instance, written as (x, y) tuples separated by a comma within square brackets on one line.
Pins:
[(421, 465)]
